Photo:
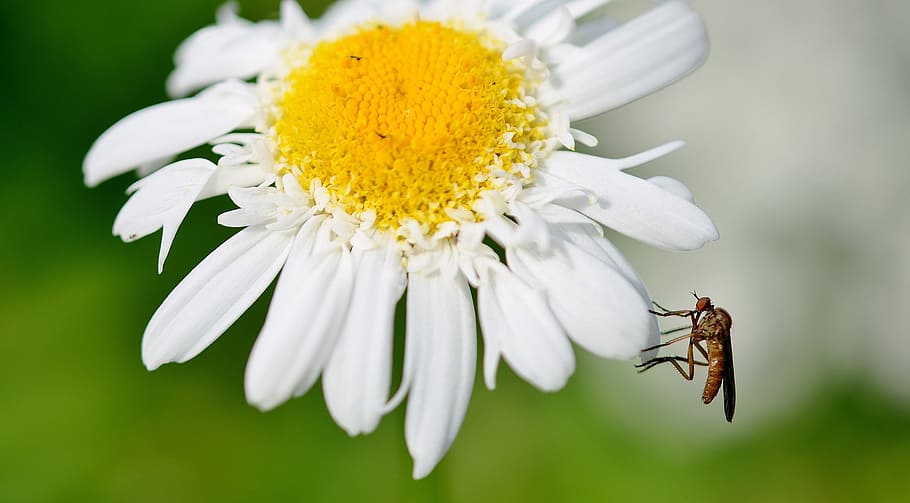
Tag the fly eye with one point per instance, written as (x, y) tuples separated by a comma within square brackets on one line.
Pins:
[(703, 304)]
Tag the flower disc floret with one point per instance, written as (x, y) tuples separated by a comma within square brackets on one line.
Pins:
[(408, 122)]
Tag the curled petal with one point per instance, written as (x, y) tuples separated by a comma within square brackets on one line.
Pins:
[(161, 201)]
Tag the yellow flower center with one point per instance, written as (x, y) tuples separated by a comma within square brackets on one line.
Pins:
[(408, 122)]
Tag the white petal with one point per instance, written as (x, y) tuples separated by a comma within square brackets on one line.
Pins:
[(441, 333), (146, 169), (214, 294), (356, 380), (595, 303), (553, 28), (340, 16), (539, 195), (631, 205), (589, 237), (302, 324), (492, 349), (519, 49), (673, 186), (532, 228), (632, 61), (162, 200), (294, 21), (646, 156), (585, 32), (496, 9), (168, 129), (579, 8), (526, 13), (256, 206), (583, 137), (227, 13), (234, 50), (241, 175), (520, 321)]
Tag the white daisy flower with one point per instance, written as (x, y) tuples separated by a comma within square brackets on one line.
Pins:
[(385, 150)]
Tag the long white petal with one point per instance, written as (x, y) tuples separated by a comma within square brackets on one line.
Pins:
[(441, 330), (213, 295), (168, 129), (235, 50), (633, 206), (530, 337), (161, 201), (595, 303), (632, 61), (356, 379), (302, 324)]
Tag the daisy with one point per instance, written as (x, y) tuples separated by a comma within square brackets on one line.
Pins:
[(416, 149)]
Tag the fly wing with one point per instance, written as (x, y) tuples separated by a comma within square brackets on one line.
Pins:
[(729, 382)]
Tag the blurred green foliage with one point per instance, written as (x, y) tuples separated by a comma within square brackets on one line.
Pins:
[(82, 420)]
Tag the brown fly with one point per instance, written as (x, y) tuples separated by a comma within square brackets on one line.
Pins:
[(710, 325)]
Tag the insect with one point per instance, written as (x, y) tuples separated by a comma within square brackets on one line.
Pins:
[(710, 325)]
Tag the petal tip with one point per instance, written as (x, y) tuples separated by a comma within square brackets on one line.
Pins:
[(90, 181), (151, 362), (260, 395), (261, 401), (89, 169), (174, 86), (422, 468)]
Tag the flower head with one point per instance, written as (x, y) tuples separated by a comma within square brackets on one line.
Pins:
[(387, 150)]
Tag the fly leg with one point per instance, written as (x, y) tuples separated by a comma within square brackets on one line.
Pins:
[(693, 315), (671, 341), (670, 359), (674, 360), (683, 313), (674, 330)]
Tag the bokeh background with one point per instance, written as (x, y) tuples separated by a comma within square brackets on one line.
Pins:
[(798, 129)]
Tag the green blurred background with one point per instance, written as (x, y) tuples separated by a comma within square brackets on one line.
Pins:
[(797, 129)]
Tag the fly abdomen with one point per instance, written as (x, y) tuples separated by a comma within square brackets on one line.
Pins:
[(716, 363)]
